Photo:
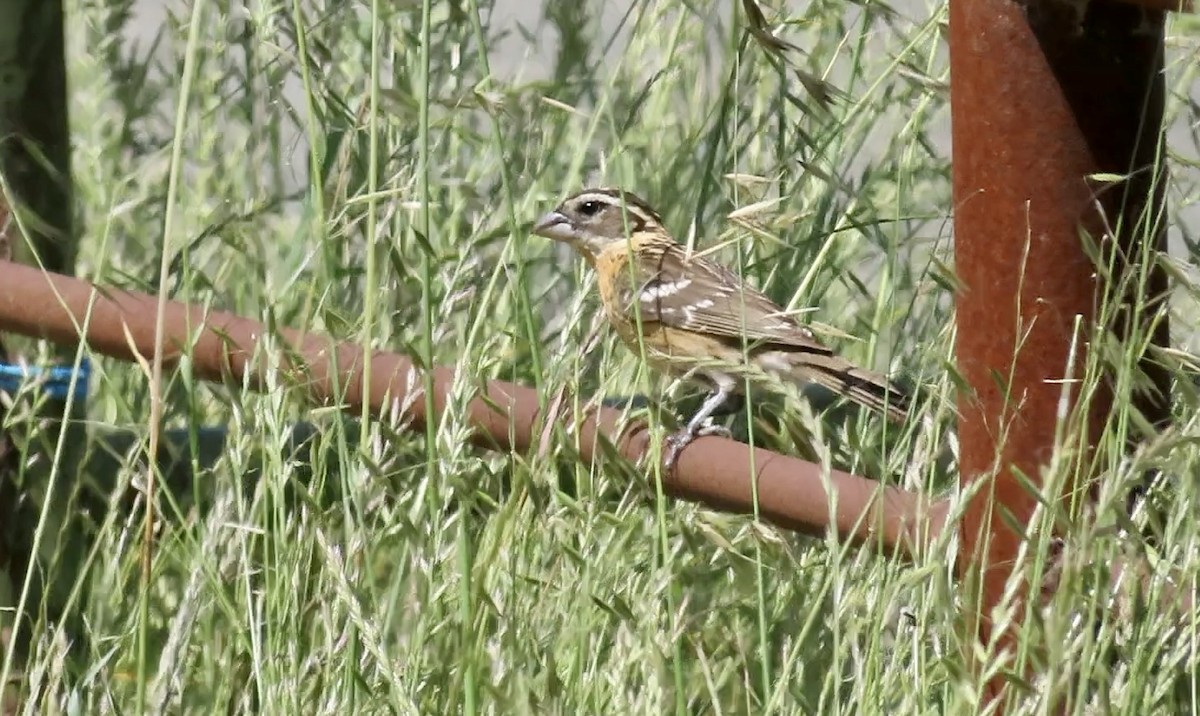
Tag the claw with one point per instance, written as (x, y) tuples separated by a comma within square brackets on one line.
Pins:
[(718, 430), (676, 442), (699, 425)]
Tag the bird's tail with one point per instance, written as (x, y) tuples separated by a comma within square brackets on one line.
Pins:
[(871, 390)]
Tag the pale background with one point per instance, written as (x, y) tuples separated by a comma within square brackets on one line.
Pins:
[(515, 58)]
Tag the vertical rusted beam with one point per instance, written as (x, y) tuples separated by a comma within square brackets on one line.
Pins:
[(1046, 95)]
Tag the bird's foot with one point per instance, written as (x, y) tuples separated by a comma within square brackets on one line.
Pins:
[(677, 441)]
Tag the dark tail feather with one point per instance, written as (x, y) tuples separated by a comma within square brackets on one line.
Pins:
[(863, 387)]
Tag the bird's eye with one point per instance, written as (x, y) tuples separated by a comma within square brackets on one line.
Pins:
[(589, 208)]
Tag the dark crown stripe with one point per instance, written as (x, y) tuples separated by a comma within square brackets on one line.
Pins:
[(633, 203)]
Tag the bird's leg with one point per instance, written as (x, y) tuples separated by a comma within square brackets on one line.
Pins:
[(719, 398), (733, 405)]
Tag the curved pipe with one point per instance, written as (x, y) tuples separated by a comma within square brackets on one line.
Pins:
[(714, 471)]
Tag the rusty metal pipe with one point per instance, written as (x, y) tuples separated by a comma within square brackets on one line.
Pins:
[(1045, 96), (222, 346)]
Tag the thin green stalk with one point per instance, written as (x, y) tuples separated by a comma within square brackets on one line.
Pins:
[(428, 308), (466, 608), (674, 592), (370, 299), (190, 63), (764, 654), (525, 303)]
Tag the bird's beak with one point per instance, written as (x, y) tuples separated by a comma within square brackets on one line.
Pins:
[(554, 225)]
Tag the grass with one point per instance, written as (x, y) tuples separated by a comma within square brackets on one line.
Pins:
[(359, 170)]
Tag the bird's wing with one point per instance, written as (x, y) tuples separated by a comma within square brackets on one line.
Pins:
[(692, 293)]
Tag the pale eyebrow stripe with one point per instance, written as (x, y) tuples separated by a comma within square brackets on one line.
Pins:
[(633, 203)]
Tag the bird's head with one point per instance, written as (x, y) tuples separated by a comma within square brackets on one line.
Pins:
[(596, 219)]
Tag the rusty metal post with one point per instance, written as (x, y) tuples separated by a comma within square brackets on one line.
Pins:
[(1046, 96)]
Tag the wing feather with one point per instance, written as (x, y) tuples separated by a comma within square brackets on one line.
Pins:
[(693, 293)]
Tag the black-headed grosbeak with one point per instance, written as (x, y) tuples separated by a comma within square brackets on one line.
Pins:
[(694, 317)]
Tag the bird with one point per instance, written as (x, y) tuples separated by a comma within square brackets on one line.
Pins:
[(693, 318)]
